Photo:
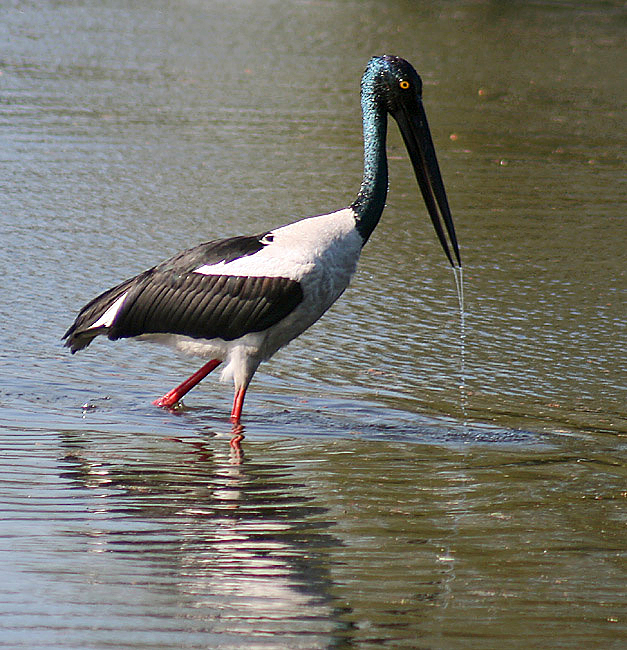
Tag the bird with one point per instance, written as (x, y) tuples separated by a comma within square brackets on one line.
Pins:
[(237, 301)]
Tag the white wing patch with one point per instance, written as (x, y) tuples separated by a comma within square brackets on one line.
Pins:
[(106, 320), (295, 250), (211, 269)]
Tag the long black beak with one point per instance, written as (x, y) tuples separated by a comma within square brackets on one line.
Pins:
[(412, 122)]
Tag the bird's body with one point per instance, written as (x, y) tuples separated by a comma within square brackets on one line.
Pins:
[(238, 300), (238, 310)]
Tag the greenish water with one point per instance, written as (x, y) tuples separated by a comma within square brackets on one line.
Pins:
[(370, 510)]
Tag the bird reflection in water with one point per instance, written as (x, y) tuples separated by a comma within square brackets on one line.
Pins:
[(237, 452), (240, 549), (236, 455)]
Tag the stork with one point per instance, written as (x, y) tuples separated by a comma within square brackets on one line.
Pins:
[(238, 300)]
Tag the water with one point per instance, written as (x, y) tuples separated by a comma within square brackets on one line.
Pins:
[(376, 505)]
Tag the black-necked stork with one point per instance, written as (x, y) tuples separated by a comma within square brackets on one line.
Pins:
[(238, 300)]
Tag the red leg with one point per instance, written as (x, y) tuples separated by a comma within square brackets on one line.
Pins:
[(238, 429), (171, 398), (238, 403)]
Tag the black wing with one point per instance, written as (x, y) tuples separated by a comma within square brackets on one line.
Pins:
[(213, 252), (171, 299), (205, 306)]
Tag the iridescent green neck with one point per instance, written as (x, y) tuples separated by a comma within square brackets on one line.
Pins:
[(370, 200)]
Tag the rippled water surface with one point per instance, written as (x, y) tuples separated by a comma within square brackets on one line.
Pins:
[(376, 505)]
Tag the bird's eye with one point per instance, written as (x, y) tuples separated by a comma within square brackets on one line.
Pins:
[(404, 84)]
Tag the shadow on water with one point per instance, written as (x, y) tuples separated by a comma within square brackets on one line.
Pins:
[(322, 417)]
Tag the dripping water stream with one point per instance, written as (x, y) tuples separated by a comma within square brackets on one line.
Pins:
[(458, 273)]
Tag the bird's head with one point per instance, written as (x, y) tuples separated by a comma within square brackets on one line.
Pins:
[(392, 84)]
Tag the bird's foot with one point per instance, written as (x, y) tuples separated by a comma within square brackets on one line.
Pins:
[(168, 401)]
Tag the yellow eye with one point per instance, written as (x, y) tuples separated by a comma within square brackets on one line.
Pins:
[(404, 85)]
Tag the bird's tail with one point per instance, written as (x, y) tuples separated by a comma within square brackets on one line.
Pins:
[(96, 317)]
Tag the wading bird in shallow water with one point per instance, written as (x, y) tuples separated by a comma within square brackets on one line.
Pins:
[(238, 300)]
